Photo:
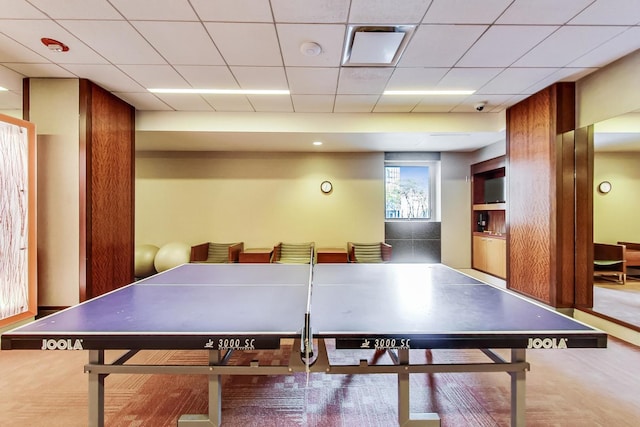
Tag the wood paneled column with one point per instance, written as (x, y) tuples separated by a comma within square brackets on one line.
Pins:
[(544, 211)]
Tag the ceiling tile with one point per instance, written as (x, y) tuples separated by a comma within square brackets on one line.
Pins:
[(492, 103), (609, 12), (542, 11), (502, 45), (439, 105), (444, 102), (271, 103), (12, 51), (396, 104), (107, 76), (233, 10), (170, 10), (467, 78), (20, 9), (260, 77), (514, 81), (23, 32), (363, 81), (312, 81), (329, 37), (246, 44), (313, 103), (41, 70), (464, 11), (155, 76), (185, 102), (607, 52), (143, 101), (109, 37), (77, 9), (415, 78), (562, 74), (180, 42), (355, 103), (386, 12), (440, 45), (208, 76), (10, 79), (566, 45), (229, 103), (317, 11)]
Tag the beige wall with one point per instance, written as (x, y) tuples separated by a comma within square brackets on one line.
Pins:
[(54, 109), (258, 198), (616, 214), (609, 92)]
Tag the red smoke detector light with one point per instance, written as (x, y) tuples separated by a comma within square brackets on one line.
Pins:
[(54, 45)]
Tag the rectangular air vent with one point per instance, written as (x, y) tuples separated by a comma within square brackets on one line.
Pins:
[(375, 46)]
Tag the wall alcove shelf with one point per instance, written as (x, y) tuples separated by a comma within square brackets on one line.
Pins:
[(489, 224)]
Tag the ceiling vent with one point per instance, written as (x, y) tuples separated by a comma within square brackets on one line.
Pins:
[(375, 46)]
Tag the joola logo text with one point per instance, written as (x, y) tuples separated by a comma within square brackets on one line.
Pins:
[(62, 344), (547, 343)]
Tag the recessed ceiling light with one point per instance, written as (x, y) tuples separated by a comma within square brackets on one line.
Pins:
[(317, 142), (3, 89), (428, 92), (222, 91)]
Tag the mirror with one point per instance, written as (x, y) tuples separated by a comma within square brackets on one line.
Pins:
[(615, 213)]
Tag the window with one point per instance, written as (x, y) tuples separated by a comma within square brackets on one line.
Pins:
[(410, 190)]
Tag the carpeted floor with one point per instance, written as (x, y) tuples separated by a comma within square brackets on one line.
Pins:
[(618, 301), (582, 387)]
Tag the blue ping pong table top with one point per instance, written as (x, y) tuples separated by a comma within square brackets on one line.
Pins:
[(254, 306)]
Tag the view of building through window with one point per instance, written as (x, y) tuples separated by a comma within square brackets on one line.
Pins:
[(407, 192)]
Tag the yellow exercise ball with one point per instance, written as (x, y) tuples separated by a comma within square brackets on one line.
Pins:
[(144, 258), (172, 255)]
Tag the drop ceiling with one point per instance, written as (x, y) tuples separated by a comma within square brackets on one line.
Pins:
[(504, 50)]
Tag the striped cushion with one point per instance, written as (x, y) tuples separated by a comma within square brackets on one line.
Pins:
[(291, 253), (367, 252), (218, 252)]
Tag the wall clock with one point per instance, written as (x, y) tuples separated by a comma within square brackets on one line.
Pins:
[(604, 187), (326, 187)]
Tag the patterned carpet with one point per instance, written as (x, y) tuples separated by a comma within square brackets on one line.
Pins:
[(43, 388), (325, 401)]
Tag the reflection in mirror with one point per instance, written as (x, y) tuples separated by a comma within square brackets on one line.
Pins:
[(615, 216)]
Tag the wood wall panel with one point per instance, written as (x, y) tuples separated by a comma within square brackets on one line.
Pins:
[(542, 212), (107, 153), (584, 217), (529, 209)]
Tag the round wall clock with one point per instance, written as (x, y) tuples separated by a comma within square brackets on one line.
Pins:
[(604, 187), (326, 187)]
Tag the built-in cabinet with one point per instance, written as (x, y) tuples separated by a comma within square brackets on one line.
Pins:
[(490, 254), (489, 221)]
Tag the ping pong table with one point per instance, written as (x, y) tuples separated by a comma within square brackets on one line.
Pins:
[(223, 308)]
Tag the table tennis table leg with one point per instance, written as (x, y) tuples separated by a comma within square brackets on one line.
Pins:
[(518, 389), (214, 418), (96, 390), (405, 418)]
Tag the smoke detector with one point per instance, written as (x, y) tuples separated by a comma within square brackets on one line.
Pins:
[(310, 49), (54, 45)]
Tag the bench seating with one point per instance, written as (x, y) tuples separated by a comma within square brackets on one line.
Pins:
[(294, 253), (212, 252), (369, 252)]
